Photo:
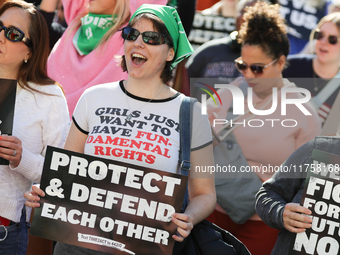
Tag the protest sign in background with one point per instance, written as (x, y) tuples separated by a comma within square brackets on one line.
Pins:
[(7, 102), (208, 27), (301, 17), (321, 195), (106, 205)]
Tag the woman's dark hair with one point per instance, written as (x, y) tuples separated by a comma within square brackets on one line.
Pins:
[(264, 27), (160, 27), (35, 69)]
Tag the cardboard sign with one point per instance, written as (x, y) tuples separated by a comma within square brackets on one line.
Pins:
[(321, 195), (208, 27), (301, 18), (7, 102), (107, 205)]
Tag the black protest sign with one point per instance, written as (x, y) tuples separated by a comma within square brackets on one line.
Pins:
[(106, 205), (208, 27), (301, 17), (321, 195), (7, 102)]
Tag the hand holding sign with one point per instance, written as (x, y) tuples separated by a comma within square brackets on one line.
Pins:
[(33, 196), (185, 225), (106, 205), (294, 219)]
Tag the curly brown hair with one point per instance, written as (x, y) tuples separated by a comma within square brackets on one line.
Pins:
[(264, 26)]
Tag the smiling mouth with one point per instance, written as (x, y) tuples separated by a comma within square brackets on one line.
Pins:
[(138, 59), (323, 51)]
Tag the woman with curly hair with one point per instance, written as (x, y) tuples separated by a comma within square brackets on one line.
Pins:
[(265, 47)]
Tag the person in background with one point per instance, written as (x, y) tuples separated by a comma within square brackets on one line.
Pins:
[(50, 9), (323, 66), (53, 12), (186, 11), (265, 47), (154, 42), (59, 17), (334, 6), (301, 18), (211, 54), (215, 22), (278, 200), (223, 7), (215, 59), (40, 117), (88, 52)]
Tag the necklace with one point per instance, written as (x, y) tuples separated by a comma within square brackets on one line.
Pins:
[(129, 116)]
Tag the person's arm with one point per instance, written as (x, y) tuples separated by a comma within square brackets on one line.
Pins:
[(75, 142), (53, 125), (73, 8), (48, 5), (55, 30), (202, 195), (277, 202)]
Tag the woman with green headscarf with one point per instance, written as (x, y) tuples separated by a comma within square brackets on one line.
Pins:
[(143, 110)]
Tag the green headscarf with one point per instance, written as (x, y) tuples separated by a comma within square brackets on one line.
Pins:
[(174, 25), (93, 28)]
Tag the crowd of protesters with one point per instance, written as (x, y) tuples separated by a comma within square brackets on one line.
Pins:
[(68, 57)]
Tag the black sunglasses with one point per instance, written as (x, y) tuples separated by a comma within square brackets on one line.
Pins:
[(332, 39), (256, 69), (149, 37), (15, 35)]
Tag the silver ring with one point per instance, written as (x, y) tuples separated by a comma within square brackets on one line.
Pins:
[(15, 153)]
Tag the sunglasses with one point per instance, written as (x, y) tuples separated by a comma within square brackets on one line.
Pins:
[(15, 35), (256, 69), (332, 39), (149, 37)]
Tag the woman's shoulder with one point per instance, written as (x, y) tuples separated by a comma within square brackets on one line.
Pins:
[(329, 144), (100, 88), (50, 89), (103, 92), (293, 90), (49, 99), (299, 65)]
